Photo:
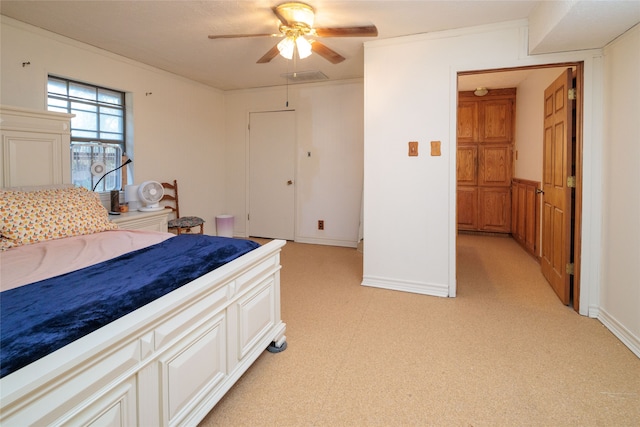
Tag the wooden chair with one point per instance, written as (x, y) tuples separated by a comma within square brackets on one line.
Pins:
[(180, 224)]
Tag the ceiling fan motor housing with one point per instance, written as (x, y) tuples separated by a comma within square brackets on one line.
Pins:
[(294, 14)]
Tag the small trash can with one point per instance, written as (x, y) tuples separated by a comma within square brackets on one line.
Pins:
[(224, 225)]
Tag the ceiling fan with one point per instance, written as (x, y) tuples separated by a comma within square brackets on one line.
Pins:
[(296, 24)]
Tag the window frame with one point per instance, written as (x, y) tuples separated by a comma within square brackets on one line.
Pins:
[(102, 109)]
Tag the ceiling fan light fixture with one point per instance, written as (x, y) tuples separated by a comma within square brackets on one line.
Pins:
[(296, 13), (304, 47), (286, 47), (289, 44)]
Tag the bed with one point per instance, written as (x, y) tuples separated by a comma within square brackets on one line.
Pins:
[(169, 354)]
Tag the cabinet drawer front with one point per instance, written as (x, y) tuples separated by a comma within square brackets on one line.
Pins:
[(152, 224), (143, 224)]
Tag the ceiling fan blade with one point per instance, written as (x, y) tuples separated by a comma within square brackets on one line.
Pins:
[(366, 31), (237, 36), (327, 53), (272, 53)]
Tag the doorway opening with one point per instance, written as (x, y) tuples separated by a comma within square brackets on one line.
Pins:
[(525, 163)]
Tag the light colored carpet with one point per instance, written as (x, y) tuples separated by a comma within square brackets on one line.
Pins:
[(505, 352)]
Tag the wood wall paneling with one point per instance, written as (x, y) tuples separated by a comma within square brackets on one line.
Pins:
[(494, 214), (525, 217), (485, 160), (467, 200)]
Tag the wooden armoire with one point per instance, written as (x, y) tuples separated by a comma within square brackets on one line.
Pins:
[(485, 160)]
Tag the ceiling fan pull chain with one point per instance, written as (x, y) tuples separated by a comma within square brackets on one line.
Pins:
[(287, 77)]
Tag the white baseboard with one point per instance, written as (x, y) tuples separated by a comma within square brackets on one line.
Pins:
[(620, 331), (433, 289)]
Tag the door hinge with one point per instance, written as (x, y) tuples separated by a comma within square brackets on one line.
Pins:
[(572, 94), (571, 181), (248, 219), (569, 268)]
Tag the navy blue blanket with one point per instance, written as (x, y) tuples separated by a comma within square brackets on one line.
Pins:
[(41, 317)]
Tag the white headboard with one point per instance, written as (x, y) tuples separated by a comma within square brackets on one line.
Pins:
[(35, 147)]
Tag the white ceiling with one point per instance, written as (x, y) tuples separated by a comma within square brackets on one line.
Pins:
[(172, 35)]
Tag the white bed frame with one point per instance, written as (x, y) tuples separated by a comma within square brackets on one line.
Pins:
[(165, 364)]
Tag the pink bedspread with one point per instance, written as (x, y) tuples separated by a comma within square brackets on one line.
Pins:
[(39, 261)]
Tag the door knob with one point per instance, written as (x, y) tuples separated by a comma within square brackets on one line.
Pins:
[(539, 191), (289, 182)]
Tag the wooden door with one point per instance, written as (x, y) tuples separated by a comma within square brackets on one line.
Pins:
[(467, 202), (494, 209), (494, 188), (466, 168), (495, 165), (467, 122), (496, 118), (484, 160), (467, 194), (271, 175), (556, 200)]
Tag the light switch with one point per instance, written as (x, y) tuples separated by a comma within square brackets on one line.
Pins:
[(413, 148), (435, 148)]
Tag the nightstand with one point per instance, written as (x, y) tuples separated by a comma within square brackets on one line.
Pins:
[(136, 220)]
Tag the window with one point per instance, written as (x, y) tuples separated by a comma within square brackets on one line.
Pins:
[(97, 130)]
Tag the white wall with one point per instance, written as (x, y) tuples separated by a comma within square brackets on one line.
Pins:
[(329, 126), (620, 291), (198, 135), (416, 251), (178, 128), (530, 122), (410, 93)]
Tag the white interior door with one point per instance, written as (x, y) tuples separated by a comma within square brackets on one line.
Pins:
[(271, 174)]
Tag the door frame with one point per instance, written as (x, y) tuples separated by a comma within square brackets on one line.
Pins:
[(578, 157)]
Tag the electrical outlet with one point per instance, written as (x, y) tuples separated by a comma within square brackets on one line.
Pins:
[(321, 224)]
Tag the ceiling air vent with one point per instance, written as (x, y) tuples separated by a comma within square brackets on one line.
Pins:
[(305, 76)]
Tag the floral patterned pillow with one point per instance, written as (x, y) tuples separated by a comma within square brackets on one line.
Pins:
[(30, 217)]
